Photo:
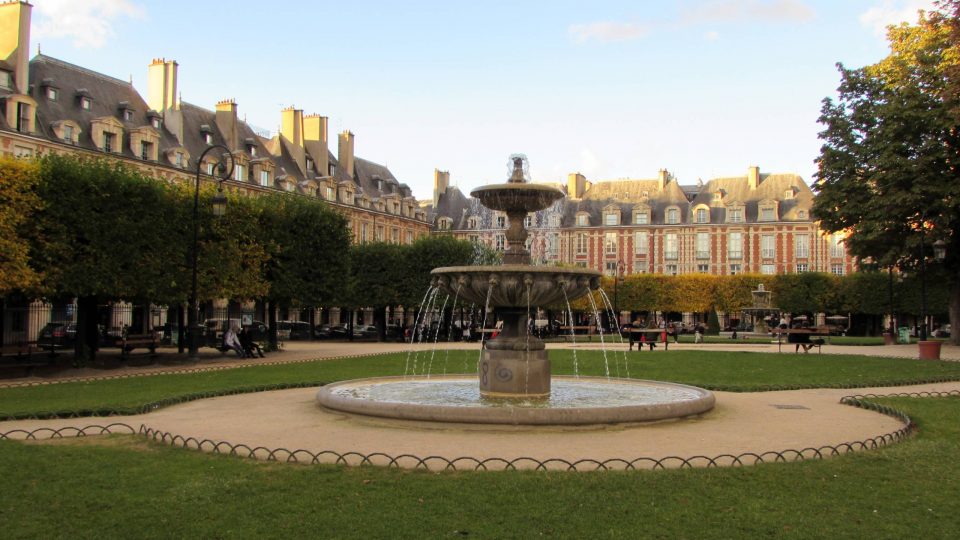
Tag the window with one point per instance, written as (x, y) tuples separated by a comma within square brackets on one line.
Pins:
[(155, 122), (474, 239), (701, 215), (641, 218), (23, 117), (444, 223), (802, 214), (309, 164), (52, 93), (610, 268), (22, 152), (264, 178), (395, 235), (210, 168), (329, 193), (208, 138), (583, 220), (670, 249), (673, 216), (528, 221), (736, 215), (554, 220), (703, 268), (68, 133), (5, 79), (145, 150), (610, 243), (581, 244), (766, 213), (735, 269), (409, 237), (836, 246), (641, 243), (768, 269), (127, 114), (472, 223), (802, 267), (703, 245), (179, 161), (768, 248), (788, 194), (836, 269), (611, 218), (252, 150), (735, 245), (363, 232), (239, 174), (553, 245), (85, 103), (108, 141), (501, 222), (499, 242), (801, 244), (670, 270)]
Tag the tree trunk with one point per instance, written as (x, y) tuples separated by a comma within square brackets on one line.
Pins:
[(313, 323), (379, 319), (181, 329), (955, 312), (271, 326), (88, 333)]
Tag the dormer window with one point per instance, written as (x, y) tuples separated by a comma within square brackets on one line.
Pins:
[(701, 215), (178, 160), (208, 138), (379, 184), (206, 133), (85, 103), (717, 196), (252, 150), (265, 178), (735, 215), (309, 164), (673, 216), (641, 218), (109, 141), (802, 214), (583, 220), (472, 223), (329, 193), (155, 122), (611, 218), (788, 194), (68, 133), (5, 79), (501, 222), (52, 93), (528, 221), (146, 150)]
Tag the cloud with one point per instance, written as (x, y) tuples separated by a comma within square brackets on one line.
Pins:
[(606, 31), (749, 10), (712, 35), (893, 12), (89, 23)]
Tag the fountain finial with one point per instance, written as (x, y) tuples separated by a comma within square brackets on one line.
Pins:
[(518, 174)]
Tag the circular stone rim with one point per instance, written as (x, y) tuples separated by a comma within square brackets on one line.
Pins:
[(515, 269), (517, 415)]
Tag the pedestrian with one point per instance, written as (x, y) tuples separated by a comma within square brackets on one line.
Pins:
[(250, 347), (698, 333), (633, 335), (232, 342)]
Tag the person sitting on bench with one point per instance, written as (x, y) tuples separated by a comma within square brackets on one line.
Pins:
[(800, 339), (250, 347)]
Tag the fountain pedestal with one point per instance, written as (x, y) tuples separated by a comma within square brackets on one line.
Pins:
[(514, 364)]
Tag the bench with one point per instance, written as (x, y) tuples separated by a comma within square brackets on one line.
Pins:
[(650, 337), (807, 338), (133, 341), (21, 355)]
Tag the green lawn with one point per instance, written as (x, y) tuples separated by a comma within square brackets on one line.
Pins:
[(124, 487), (734, 371)]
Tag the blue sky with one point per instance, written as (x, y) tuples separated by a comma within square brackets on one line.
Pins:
[(612, 89)]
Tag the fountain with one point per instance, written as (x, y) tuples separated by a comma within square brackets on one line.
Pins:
[(761, 308), (514, 384)]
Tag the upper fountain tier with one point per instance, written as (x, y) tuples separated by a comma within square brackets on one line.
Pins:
[(517, 196)]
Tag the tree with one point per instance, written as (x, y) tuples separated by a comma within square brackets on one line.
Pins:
[(887, 171), (18, 204), (377, 275)]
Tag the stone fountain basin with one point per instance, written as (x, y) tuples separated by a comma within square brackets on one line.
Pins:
[(517, 196), (510, 283), (575, 401)]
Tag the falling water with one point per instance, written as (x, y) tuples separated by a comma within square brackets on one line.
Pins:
[(436, 335), (413, 332), (526, 379), (453, 310), (603, 346), (573, 333), (606, 301), (425, 321), (483, 334)]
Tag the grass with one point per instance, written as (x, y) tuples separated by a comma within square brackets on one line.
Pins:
[(735, 371), (122, 486)]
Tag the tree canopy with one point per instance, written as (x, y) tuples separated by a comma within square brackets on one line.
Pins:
[(887, 171)]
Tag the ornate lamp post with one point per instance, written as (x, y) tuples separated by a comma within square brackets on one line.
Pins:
[(616, 300), (221, 173)]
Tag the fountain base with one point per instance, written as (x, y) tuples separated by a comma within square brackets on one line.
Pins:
[(513, 374)]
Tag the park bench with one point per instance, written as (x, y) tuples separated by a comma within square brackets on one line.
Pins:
[(565, 331), (650, 337), (807, 338), (22, 356), (133, 341)]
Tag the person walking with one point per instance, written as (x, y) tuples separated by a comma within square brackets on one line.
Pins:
[(698, 333)]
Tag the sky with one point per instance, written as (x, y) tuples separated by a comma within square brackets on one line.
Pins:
[(610, 89)]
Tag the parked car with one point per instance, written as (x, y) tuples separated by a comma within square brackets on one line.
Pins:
[(295, 330), (335, 331), (57, 335), (364, 331), (942, 332)]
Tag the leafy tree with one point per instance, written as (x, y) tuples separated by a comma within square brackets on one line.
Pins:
[(377, 276), (18, 204), (427, 253), (887, 171), (807, 292)]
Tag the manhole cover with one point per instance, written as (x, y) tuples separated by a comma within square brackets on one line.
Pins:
[(791, 407)]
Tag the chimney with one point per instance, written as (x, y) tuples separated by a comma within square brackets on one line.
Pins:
[(663, 178), (15, 42), (162, 94), (345, 153), (291, 129), (227, 122), (315, 142), (441, 181), (753, 177), (576, 185)]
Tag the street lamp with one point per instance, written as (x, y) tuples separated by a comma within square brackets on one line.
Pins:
[(616, 300), (219, 202)]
